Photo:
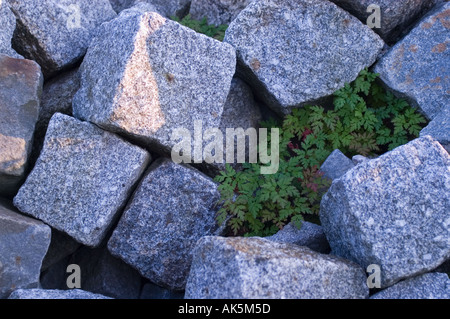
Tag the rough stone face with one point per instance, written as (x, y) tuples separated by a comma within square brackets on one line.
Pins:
[(336, 165), (439, 128), (158, 76), (255, 268), (56, 275), (8, 23), (169, 8), (393, 211), (57, 33), (217, 12), (152, 291), (427, 286), (61, 246), (416, 68), (396, 16), (120, 5), (145, 6), (81, 180), (142, 5), (240, 111), (56, 98), (54, 294), (106, 275), (166, 8), (359, 159), (298, 52), (309, 235), (23, 244), (171, 209), (20, 90)]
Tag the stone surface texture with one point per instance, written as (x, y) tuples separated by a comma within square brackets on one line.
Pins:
[(169, 8), (171, 209), (396, 16), (393, 211), (56, 275), (439, 128), (416, 68), (166, 8), (120, 5), (255, 268), (426, 286), (81, 180), (104, 274), (240, 111), (8, 23), (23, 245), (54, 294), (61, 246), (217, 12), (309, 235), (336, 165), (152, 291), (359, 159), (158, 76), (21, 84), (295, 52), (57, 97), (56, 33)]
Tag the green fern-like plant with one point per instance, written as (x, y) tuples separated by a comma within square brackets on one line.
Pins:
[(365, 120)]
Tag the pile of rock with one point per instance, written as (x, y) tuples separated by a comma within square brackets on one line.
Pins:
[(85, 170)]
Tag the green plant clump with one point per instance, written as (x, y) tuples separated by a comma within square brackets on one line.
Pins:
[(365, 120), (202, 26)]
